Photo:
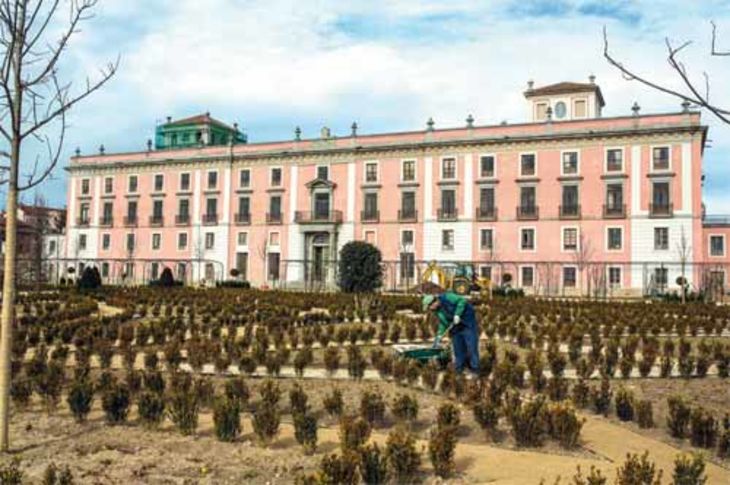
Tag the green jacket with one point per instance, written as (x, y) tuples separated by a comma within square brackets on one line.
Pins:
[(451, 305)]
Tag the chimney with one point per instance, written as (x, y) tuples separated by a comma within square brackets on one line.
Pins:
[(169, 119), (325, 133), (592, 79)]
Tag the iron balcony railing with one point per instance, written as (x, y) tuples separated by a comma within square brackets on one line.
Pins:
[(130, 221), (614, 211), (273, 218), (486, 213), (182, 219), (370, 216), (317, 217), (156, 220), (106, 221), (450, 214), (571, 211), (410, 215), (242, 218), (210, 219), (82, 221), (528, 212), (665, 209)]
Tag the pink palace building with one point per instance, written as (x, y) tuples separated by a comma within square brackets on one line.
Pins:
[(567, 202)]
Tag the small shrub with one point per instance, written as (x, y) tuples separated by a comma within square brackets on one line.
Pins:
[(703, 428), (227, 418), (11, 474), (302, 359), (624, 403), (151, 409), (405, 407), (373, 465), (21, 391), (486, 414), (356, 363), (50, 384), (237, 390), (183, 408), (527, 420), (689, 470), (595, 477), (644, 414), (564, 424), (53, 475), (448, 416), (79, 399), (115, 402), (332, 360), (298, 400), (678, 416), (601, 397), (305, 431), (334, 403), (581, 394), (354, 432), (430, 375), (339, 469), (205, 391), (154, 381), (638, 471), (266, 420), (441, 448), (270, 393), (402, 456), (723, 440), (372, 406)]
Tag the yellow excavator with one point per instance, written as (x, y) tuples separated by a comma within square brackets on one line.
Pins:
[(461, 278)]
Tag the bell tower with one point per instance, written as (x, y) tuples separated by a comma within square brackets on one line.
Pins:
[(564, 101)]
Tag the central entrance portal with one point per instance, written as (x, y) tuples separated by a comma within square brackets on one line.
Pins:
[(319, 257)]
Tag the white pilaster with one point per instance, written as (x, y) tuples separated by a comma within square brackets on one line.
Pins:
[(468, 187), (427, 189), (686, 164), (636, 181), (351, 192)]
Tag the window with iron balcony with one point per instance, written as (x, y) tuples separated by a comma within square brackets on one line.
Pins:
[(660, 158), (408, 211), (183, 212), (448, 210), (274, 214), (211, 212), (528, 210), (661, 205), (243, 216), (614, 208), (370, 212), (448, 169), (487, 210), (570, 208)]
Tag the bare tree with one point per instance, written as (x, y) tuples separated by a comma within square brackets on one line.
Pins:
[(582, 256), (263, 251), (684, 250), (33, 102), (691, 91)]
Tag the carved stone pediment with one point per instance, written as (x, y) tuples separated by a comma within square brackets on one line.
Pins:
[(320, 184)]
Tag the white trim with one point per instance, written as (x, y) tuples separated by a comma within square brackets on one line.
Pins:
[(443, 158), (568, 109), (687, 175), (207, 179), (366, 230), (562, 239), (152, 241), (101, 246), (327, 166), (108, 177), (428, 192), (709, 245), (154, 179), (669, 239), (81, 185), (269, 244), (494, 166), (271, 175), (651, 158), (608, 276), (453, 239), (519, 239), (519, 162), (562, 164), (187, 241), (351, 191), (572, 109), (179, 181), (415, 169), (605, 159), (250, 173), (479, 235), (468, 187), (636, 169), (519, 275), (365, 164), (562, 275), (238, 239), (129, 178), (412, 247), (607, 239)]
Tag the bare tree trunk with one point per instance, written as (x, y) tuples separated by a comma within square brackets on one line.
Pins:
[(8, 306)]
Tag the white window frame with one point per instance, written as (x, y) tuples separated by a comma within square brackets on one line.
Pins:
[(453, 240), (129, 179), (573, 111), (537, 165), (562, 167), (491, 270), (534, 273), (88, 183), (238, 239), (205, 241), (494, 174), (653, 234), (245, 169), (365, 171), (415, 169), (365, 235), (456, 167), (410, 248), (269, 244), (481, 248), (607, 239), (651, 159), (709, 245), (112, 190), (562, 239), (534, 239), (190, 182), (537, 105), (187, 241), (271, 176), (154, 181), (621, 276), (152, 241), (563, 267), (109, 238), (217, 179), (316, 171), (568, 109), (605, 160)]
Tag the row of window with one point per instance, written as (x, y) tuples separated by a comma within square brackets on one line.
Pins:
[(487, 169)]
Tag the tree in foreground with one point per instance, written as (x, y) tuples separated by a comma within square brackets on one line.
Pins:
[(34, 101), (360, 270)]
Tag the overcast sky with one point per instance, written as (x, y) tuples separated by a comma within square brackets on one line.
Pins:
[(271, 65)]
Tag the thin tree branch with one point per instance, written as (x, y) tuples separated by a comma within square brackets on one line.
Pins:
[(714, 50)]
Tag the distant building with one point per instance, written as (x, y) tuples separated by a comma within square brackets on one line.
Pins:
[(567, 202)]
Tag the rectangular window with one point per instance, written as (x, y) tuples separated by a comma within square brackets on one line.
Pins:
[(615, 238), (370, 237), (212, 180), (155, 270), (108, 185), (132, 211), (85, 187), (660, 195), (275, 206), (485, 272), (323, 172), (614, 160), (527, 165), (128, 270), (717, 245), (84, 213), (370, 205), (209, 240), (407, 238), (486, 166), (181, 271), (614, 276), (132, 184), (408, 170), (106, 241), (211, 207), (569, 277), (159, 182), (322, 205), (242, 265), (182, 241), (661, 276), (242, 239), (408, 205), (486, 239), (527, 239), (570, 239), (371, 172), (156, 241), (486, 199), (130, 242), (82, 242), (579, 108), (244, 206), (273, 263), (570, 200), (407, 265), (274, 239), (528, 199), (276, 177), (104, 269), (52, 247), (660, 158), (541, 111), (528, 276), (184, 182), (448, 202), (447, 239), (107, 212), (448, 168), (157, 209), (661, 238), (245, 178), (209, 271), (570, 163), (614, 198)]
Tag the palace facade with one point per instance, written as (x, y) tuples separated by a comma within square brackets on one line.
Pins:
[(569, 199)]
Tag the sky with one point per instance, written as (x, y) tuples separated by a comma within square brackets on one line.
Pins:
[(272, 65)]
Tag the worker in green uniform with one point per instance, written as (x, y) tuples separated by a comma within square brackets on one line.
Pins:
[(456, 315)]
